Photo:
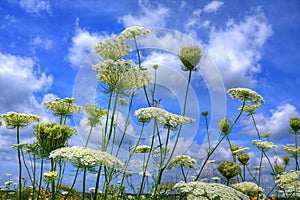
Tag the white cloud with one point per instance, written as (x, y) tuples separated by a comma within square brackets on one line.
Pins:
[(20, 79), (149, 16), (237, 49), (82, 45), (277, 123), (35, 7), (42, 43), (212, 6)]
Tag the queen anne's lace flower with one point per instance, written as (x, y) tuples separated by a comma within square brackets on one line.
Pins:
[(249, 188), (229, 169), (120, 75), (295, 124), (240, 151), (263, 145), (94, 114), (21, 120), (112, 48), (291, 149), (143, 149), (190, 57), (62, 107), (289, 180), (247, 95), (182, 160), (51, 175), (85, 157), (201, 191), (164, 117), (147, 174), (133, 32)]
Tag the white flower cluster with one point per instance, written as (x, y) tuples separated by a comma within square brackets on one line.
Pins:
[(263, 145), (249, 188), (291, 149), (62, 107), (289, 180), (146, 173), (142, 149), (133, 32), (164, 117), (202, 191), (182, 160), (247, 95), (85, 157), (112, 48), (51, 174), (240, 151)]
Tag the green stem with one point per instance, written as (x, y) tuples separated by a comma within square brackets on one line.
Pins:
[(112, 121), (41, 178), (20, 163), (27, 169), (89, 135), (213, 149), (182, 171), (259, 170), (97, 182), (254, 122), (53, 181), (254, 179), (83, 183)]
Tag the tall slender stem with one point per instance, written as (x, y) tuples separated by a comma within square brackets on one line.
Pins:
[(20, 163), (259, 170), (83, 182)]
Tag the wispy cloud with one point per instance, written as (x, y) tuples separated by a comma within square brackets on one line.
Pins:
[(36, 7), (212, 6), (148, 17)]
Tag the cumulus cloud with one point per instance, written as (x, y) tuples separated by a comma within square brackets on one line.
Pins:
[(277, 123), (148, 17), (237, 49), (35, 7), (82, 45), (212, 6)]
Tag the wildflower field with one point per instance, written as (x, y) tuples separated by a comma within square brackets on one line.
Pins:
[(101, 168)]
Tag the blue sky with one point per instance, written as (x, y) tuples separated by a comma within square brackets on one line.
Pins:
[(255, 44)]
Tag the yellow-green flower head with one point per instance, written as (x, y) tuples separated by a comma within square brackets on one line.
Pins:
[(182, 160), (167, 119), (286, 160), (243, 158), (295, 124), (155, 66), (94, 114), (249, 108), (279, 168), (123, 102), (133, 32), (291, 149), (62, 107), (266, 135), (121, 75), (190, 57), (290, 181), (205, 113), (147, 174), (234, 148), (263, 145), (249, 188), (207, 191), (50, 176), (52, 136), (229, 169), (112, 48), (224, 126), (21, 120), (247, 95), (142, 149), (85, 157)]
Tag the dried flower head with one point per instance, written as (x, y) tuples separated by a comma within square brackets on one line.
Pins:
[(246, 95), (295, 124), (13, 120), (202, 190), (190, 57), (83, 157), (167, 119), (229, 169), (263, 145), (182, 160), (114, 48)]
